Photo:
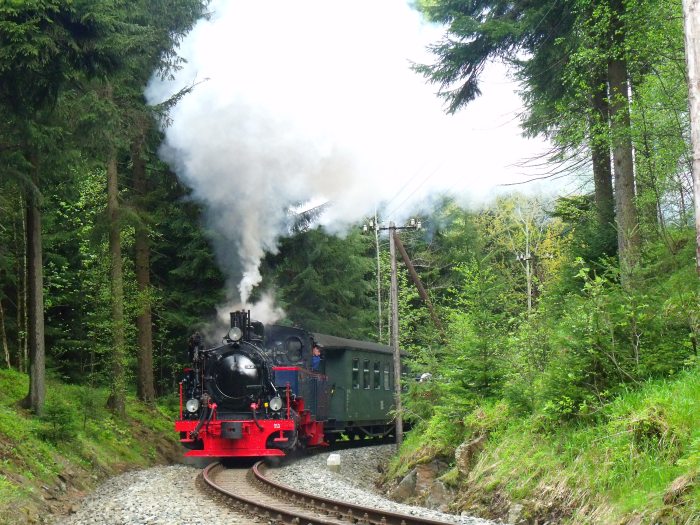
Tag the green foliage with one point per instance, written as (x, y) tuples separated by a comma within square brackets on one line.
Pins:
[(488, 418), (475, 346), (567, 395), (37, 51), (585, 239), (60, 422), (58, 62), (478, 32)]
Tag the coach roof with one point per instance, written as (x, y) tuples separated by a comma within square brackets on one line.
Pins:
[(332, 342)]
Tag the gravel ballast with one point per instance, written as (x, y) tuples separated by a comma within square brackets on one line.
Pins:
[(155, 496), (355, 483)]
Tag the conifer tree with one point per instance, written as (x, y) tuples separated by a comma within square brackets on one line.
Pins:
[(547, 33), (135, 39), (39, 56)]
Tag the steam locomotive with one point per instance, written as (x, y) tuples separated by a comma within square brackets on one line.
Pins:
[(258, 394)]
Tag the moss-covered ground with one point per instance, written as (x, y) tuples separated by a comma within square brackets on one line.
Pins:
[(48, 462)]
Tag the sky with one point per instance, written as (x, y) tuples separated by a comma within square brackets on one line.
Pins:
[(313, 101)]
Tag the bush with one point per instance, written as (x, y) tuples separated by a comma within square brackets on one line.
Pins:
[(60, 422)]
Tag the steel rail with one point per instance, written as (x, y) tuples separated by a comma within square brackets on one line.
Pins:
[(281, 503), (342, 509), (251, 500)]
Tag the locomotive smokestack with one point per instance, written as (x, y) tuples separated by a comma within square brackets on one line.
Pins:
[(241, 319)]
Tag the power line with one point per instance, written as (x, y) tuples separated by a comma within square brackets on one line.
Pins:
[(415, 174), (430, 175)]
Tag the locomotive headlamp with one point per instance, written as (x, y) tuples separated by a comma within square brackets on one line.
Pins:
[(235, 334), (276, 403), (192, 405)]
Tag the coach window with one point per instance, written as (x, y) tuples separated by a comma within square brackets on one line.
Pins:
[(356, 373), (377, 376), (387, 384), (365, 374)]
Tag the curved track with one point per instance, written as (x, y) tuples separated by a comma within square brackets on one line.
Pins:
[(253, 493)]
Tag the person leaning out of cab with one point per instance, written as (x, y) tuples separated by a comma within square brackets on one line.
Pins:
[(316, 358)]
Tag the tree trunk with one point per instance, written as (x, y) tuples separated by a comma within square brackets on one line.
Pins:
[(650, 207), (25, 295), (628, 239), (600, 155), (21, 257), (5, 347), (35, 301), (117, 398), (20, 252), (691, 15), (145, 389)]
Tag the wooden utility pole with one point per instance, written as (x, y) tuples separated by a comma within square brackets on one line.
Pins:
[(395, 334), (528, 275), (691, 16), (394, 299), (526, 258), (379, 280)]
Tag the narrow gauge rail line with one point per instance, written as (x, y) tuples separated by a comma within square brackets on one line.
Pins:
[(279, 503)]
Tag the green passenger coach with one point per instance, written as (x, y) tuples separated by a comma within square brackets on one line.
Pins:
[(361, 386)]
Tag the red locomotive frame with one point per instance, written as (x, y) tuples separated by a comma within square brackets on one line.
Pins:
[(255, 433)]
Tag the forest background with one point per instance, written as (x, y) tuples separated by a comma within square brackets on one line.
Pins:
[(571, 321)]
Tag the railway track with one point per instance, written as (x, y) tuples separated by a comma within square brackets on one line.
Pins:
[(252, 492)]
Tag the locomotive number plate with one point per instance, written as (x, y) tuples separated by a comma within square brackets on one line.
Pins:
[(232, 430)]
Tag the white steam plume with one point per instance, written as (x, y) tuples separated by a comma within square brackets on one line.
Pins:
[(315, 99)]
